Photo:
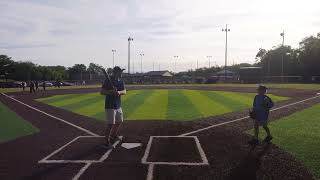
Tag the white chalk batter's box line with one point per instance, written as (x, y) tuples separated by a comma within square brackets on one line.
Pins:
[(201, 152), (103, 157)]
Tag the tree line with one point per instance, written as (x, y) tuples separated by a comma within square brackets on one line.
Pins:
[(303, 61), (26, 70)]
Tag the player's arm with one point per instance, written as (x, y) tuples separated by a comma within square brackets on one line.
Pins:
[(123, 92)]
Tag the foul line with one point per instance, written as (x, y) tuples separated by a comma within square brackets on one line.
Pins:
[(239, 119), (52, 116), (82, 170), (151, 166), (150, 172)]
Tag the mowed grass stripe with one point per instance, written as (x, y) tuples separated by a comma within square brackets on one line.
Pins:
[(277, 98), (97, 109), (72, 100), (180, 107), (234, 101), (83, 102), (56, 98), (206, 106), (154, 107), (132, 100)]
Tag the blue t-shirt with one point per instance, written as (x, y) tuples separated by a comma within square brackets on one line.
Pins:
[(113, 101), (261, 106)]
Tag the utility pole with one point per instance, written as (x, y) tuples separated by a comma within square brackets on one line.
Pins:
[(129, 39), (282, 34), (226, 52), (113, 51), (141, 61)]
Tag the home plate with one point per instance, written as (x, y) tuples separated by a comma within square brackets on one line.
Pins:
[(130, 145)]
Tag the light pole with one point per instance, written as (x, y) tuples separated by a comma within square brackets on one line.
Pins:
[(133, 67), (197, 64), (209, 60), (175, 63), (153, 66), (282, 34), (226, 51), (141, 55), (129, 39), (113, 51)]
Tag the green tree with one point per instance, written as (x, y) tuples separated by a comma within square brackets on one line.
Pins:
[(271, 61), (6, 68), (309, 55), (76, 71), (94, 69)]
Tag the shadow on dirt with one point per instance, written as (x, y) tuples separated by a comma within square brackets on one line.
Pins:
[(248, 167)]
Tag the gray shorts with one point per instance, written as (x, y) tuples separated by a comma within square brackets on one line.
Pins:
[(114, 116)]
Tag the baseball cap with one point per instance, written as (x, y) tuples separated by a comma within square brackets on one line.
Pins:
[(117, 69), (262, 87)]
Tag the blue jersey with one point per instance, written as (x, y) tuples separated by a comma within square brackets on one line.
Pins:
[(261, 106), (113, 101)]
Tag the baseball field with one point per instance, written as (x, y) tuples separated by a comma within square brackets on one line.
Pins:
[(159, 104), (186, 132)]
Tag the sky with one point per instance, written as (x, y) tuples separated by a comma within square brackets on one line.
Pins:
[(67, 32)]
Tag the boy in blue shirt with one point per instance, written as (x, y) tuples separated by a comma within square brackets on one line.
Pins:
[(261, 106), (113, 91)]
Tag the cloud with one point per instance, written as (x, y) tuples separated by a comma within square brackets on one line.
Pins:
[(23, 46), (69, 31)]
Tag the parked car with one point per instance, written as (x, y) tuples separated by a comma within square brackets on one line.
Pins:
[(212, 80), (11, 84), (48, 84), (67, 84)]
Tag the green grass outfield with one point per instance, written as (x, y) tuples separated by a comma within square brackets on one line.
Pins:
[(13, 126), (299, 134), (159, 104)]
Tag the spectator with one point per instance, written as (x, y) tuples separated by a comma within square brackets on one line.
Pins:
[(36, 83), (44, 86), (23, 85)]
